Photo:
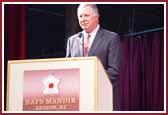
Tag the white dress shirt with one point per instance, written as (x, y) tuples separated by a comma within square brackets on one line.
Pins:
[(92, 34)]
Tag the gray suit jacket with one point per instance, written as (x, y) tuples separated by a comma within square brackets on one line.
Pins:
[(106, 46)]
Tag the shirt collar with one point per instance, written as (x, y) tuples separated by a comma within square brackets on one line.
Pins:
[(93, 33)]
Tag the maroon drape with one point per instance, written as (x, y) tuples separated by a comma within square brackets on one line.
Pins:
[(141, 83), (14, 37)]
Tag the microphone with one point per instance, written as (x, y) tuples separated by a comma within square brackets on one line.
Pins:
[(82, 36)]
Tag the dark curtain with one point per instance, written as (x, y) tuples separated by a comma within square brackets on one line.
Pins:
[(141, 83), (14, 31), (14, 35)]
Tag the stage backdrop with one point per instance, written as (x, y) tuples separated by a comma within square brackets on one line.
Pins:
[(141, 82)]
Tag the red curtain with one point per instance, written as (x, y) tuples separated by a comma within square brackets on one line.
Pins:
[(141, 83), (14, 35)]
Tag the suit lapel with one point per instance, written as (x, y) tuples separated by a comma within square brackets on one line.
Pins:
[(96, 42)]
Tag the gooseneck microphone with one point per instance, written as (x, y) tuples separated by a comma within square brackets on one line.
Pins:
[(82, 37), (80, 34)]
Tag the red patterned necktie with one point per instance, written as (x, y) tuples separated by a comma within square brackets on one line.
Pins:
[(86, 45)]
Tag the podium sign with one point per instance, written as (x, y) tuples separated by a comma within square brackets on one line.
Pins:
[(54, 89), (61, 84)]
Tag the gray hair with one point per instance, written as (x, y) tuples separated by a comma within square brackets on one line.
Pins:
[(92, 6)]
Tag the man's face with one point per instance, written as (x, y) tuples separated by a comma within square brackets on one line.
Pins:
[(87, 20)]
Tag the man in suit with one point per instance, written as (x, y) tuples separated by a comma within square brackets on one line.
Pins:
[(96, 41)]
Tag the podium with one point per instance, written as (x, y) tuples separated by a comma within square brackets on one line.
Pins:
[(58, 84)]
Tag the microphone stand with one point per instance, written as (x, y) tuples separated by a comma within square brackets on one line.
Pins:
[(82, 36), (83, 45)]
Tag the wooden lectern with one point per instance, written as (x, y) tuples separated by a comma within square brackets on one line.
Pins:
[(58, 84)]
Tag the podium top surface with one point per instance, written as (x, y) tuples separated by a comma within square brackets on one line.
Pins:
[(53, 59)]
